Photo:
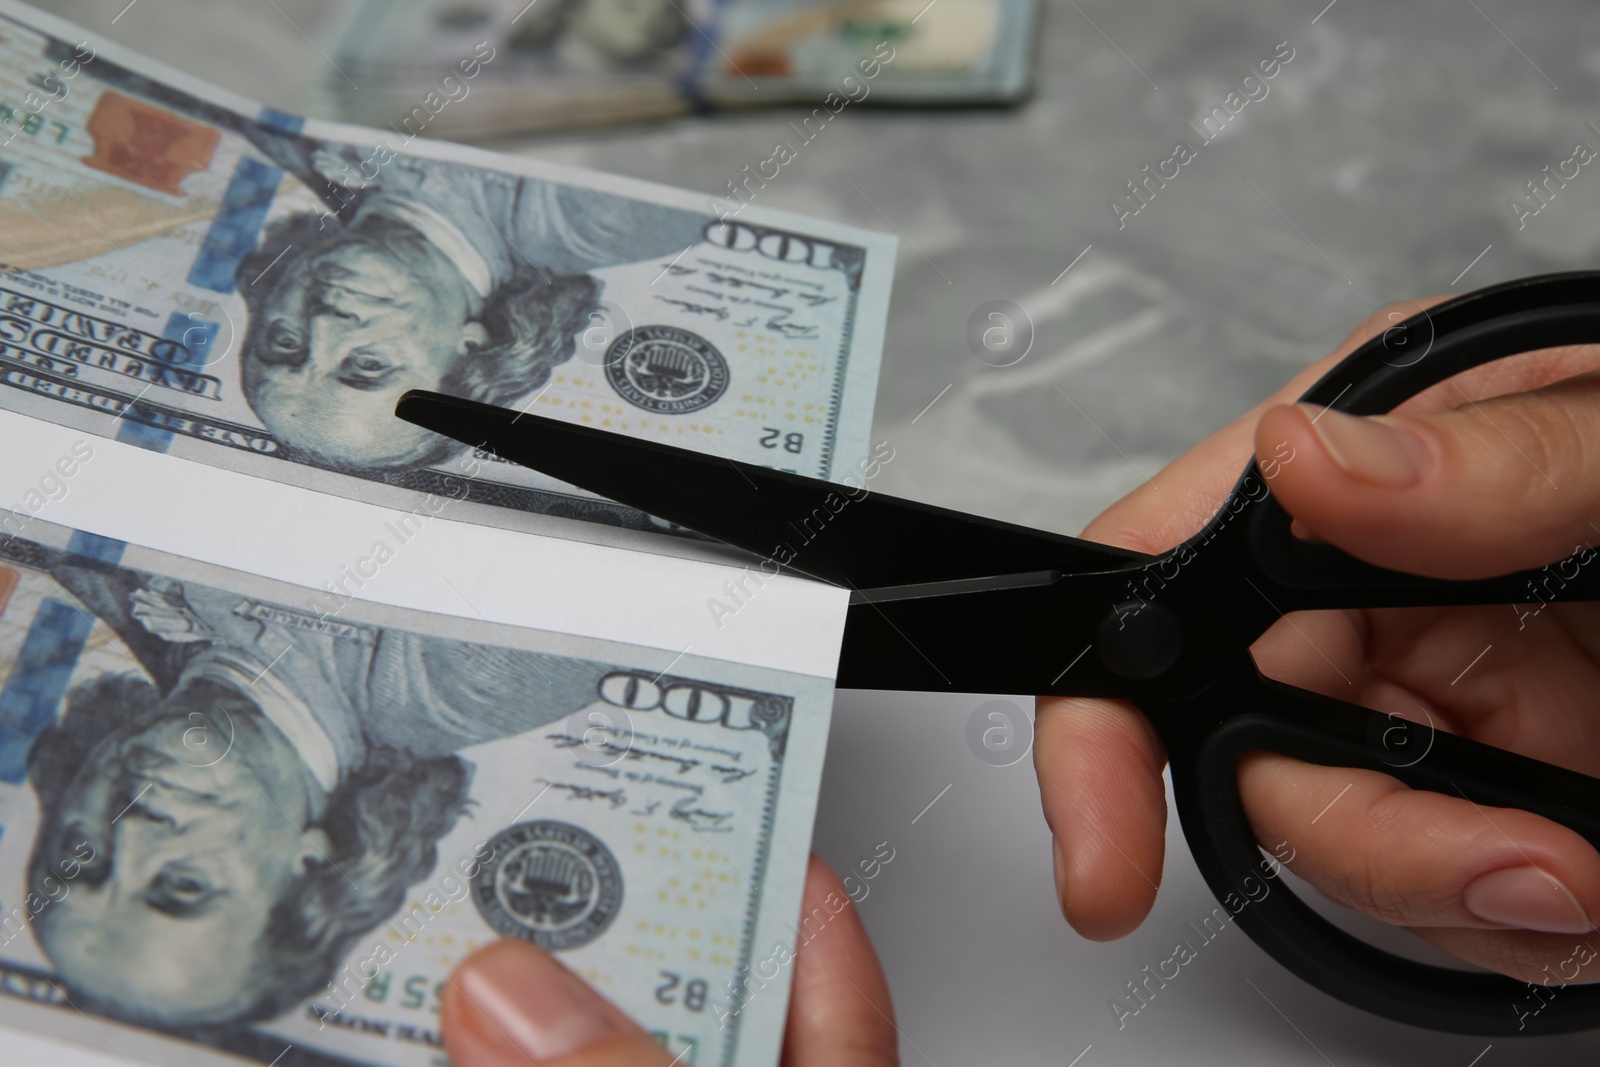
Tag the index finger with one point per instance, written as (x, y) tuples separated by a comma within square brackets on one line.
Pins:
[(1183, 497)]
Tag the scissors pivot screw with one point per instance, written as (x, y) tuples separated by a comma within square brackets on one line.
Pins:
[(1138, 639)]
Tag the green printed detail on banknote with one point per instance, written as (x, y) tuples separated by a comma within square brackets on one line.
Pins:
[(235, 823), (193, 273), (500, 66)]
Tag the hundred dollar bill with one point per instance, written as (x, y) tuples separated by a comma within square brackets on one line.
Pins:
[(194, 273), (241, 819), (561, 63)]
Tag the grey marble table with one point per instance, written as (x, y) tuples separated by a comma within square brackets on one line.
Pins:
[(1378, 167)]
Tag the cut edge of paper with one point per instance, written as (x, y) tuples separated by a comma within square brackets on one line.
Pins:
[(316, 540)]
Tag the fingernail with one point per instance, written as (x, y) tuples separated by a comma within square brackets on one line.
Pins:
[(1369, 449), (1526, 898), (521, 997)]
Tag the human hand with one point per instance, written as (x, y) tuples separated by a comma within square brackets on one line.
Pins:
[(512, 1005), (1494, 471)]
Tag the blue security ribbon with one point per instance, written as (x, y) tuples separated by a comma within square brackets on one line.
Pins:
[(31, 697)]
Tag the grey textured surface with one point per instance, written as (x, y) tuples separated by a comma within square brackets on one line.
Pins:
[(1381, 163)]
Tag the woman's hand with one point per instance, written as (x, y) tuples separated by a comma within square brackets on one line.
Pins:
[(512, 1005), (1494, 471)]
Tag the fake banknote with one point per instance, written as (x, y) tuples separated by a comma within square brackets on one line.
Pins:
[(563, 63), (194, 273), (238, 819)]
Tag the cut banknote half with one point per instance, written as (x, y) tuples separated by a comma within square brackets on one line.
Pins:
[(261, 791), (193, 273)]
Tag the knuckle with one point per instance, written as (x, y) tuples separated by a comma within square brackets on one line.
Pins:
[(1353, 885), (1566, 427), (1550, 436), (1362, 882), (1374, 877), (1512, 452), (1551, 439)]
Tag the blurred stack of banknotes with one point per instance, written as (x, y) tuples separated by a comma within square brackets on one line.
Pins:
[(509, 66), (300, 704)]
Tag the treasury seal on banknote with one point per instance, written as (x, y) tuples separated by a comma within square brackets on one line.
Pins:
[(666, 369), (551, 883)]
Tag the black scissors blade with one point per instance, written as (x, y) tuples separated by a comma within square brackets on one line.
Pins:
[(837, 532)]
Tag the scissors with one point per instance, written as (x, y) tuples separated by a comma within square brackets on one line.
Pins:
[(942, 600)]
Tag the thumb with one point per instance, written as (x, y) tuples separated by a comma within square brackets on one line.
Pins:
[(1494, 486), (513, 1005)]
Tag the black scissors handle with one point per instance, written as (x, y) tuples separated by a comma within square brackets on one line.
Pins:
[(1206, 734), (1263, 715)]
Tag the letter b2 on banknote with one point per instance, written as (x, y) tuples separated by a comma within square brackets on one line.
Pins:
[(194, 273)]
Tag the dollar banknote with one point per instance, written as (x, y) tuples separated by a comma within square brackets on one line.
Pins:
[(193, 273), (563, 63), (241, 821)]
